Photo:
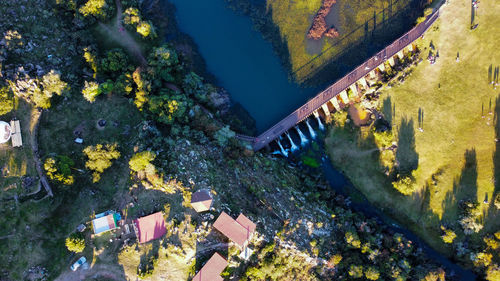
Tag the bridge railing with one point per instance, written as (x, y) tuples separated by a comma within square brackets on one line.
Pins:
[(361, 71)]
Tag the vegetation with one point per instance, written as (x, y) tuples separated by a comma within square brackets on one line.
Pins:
[(38, 91), (99, 158), (444, 153), (59, 169), (6, 101), (75, 243)]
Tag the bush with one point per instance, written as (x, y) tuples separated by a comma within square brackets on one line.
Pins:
[(224, 135), (482, 259), (75, 243), (448, 235), (405, 185), (356, 271), (59, 169), (493, 273), (372, 273), (142, 161)]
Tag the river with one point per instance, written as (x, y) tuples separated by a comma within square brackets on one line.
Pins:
[(242, 61)]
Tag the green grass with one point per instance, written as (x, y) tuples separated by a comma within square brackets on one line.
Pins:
[(294, 18), (451, 96)]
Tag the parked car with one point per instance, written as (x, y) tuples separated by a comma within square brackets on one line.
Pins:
[(78, 263)]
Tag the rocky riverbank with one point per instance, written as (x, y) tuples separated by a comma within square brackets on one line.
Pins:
[(319, 27)]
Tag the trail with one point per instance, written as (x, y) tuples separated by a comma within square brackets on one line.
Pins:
[(121, 36), (108, 271)]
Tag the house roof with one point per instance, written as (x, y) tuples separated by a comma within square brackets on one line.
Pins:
[(246, 223), (201, 200), (234, 230), (212, 269), (103, 224), (150, 227)]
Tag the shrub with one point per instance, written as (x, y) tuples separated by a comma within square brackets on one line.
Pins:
[(405, 185), (481, 259), (142, 161), (340, 118), (448, 235), (356, 271), (224, 135), (90, 91), (497, 201), (75, 243), (372, 273), (352, 239), (493, 273)]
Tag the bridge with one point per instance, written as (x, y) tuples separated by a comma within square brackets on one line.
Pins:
[(350, 81)]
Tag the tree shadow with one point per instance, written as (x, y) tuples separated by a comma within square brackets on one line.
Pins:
[(420, 118), (147, 260), (406, 154), (387, 109), (464, 187), (492, 212)]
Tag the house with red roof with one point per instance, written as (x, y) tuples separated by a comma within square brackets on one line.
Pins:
[(239, 231), (212, 269), (150, 227)]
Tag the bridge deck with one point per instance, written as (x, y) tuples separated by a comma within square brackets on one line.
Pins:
[(361, 71)]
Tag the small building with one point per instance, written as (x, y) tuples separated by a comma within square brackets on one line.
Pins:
[(150, 227), (17, 139), (239, 231), (201, 200), (106, 221), (212, 269), (5, 132)]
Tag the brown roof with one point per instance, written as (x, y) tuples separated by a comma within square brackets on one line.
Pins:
[(238, 233), (201, 200), (212, 269), (150, 227)]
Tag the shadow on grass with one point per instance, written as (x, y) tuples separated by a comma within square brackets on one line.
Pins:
[(464, 187), (492, 213), (387, 110), (406, 154)]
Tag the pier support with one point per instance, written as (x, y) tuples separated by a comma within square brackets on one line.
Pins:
[(354, 89), (410, 47), (401, 55), (363, 83), (344, 97), (381, 67), (372, 74), (325, 109), (335, 103), (316, 114), (391, 61)]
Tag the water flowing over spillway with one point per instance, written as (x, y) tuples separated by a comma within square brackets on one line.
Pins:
[(311, 131), (283, 151), (294, 146), (320, 124), (303, 139)]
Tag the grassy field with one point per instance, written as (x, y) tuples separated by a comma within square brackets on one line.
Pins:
[(294, 18), (454, 111)]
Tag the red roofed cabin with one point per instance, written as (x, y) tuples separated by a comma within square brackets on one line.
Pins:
[(239, 231), (150, 227), (212, 269)]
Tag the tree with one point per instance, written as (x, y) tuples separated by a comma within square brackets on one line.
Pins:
[(224, 135), (59, 169), (6, 101), (481, 259), (142, 161), (145, 29), (39, 92), (115, 61), (99, 158), (96, 8), (352, 239), (75, 243), (493, 273), (131, 16), (404, 184), (371, 273), (91, 59), (168, 107), (90, 91), (356, 271)]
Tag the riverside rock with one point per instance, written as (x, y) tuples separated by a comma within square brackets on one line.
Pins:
[(319, 27)]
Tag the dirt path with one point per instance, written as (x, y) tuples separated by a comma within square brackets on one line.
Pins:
[(108, 271), (121, 36), (35, 121)]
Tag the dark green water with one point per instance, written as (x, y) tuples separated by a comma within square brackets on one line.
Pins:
[(241, 60)]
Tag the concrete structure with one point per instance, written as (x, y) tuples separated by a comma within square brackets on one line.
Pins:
[(339, 87), (239, 231), (201, 200), (212, 269), (150, 227), (105, 222)]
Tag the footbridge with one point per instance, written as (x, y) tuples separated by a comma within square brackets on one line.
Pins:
[(336, 96)]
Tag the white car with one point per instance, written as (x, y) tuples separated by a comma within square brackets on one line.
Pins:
[(78, 263)]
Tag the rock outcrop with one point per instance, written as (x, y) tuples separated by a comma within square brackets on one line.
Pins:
[(319, 28)]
